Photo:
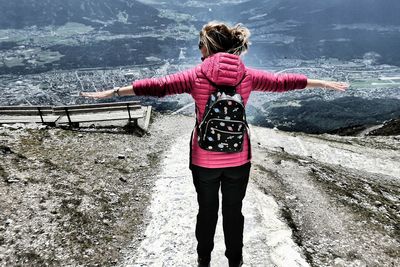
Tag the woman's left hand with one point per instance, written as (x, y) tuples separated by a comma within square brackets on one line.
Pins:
[(340, 86)]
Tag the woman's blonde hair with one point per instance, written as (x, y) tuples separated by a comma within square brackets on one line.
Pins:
[(220, 37)]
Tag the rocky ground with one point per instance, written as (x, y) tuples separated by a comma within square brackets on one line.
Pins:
[(80, 197), (340, 195), (76, 197)]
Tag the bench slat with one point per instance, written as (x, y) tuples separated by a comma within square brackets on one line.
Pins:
[(98, 105), (109, 116), (27, 119), (25, 107), (99, 109), (25, 112)]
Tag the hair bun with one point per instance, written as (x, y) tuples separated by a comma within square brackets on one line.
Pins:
[(240, 32), (241, 36), (219, 37)]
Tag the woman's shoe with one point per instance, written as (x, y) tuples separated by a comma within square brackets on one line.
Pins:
[(236, 264), (203, 262)]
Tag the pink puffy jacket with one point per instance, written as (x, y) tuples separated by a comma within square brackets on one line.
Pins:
[(222, 69)]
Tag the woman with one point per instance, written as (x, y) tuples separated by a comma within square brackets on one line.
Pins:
[(221, 47)]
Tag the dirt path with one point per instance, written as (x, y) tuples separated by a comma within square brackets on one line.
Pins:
[(169, 237)]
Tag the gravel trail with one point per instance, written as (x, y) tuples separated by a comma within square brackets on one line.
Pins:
[(169, 237)]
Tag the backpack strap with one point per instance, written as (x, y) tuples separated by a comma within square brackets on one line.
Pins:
[(248, 138), (191, 136), (190, 150)]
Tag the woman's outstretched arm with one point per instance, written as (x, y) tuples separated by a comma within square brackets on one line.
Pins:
[(273, 82), (121, 91), (177, 83)]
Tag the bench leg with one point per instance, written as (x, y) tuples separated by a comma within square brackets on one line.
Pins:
[(133, 127), (50, 124), (133, 122), (73, 125)]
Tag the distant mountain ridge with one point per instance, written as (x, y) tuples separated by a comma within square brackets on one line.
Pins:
[(338, 28), (385, 12), (290, 29), (98, 14)]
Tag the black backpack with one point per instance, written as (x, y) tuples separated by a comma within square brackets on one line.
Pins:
[(224, 122)]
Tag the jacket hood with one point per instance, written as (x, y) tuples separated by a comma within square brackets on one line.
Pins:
[(223, 69)]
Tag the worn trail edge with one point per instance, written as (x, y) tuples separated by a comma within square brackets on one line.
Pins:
[(169, 238)]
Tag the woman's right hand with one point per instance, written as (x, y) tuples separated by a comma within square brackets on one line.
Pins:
[(118, 91), (98, 95)]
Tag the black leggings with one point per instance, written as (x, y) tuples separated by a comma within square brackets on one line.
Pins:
[(233, 181)]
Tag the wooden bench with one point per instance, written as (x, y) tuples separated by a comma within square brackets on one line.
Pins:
[(73, 115), (27, 114)]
